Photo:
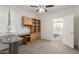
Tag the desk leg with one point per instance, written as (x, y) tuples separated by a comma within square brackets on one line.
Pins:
[(13, 48)]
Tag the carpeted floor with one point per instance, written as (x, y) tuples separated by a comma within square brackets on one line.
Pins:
[(46, 47)]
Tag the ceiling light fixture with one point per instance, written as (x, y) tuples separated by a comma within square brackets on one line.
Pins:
[(41, 9)]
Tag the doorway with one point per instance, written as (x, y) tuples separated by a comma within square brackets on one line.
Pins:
[(63, 30), (58, 29)]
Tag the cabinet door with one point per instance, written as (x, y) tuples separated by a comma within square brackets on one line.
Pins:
[(27, 21), (35, 36)]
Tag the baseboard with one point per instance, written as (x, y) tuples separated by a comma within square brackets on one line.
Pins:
[(46, 39)]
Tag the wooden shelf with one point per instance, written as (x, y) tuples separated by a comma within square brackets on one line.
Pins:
[(34, 25)]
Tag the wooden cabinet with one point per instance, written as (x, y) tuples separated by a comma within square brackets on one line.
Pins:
[(24, 39), (35, 36), (34, 25), (26, 21)]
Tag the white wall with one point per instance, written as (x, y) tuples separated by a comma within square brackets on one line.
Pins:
[(16, 15), (46, 22)]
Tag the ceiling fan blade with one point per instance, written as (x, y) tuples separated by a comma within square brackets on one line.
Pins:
[(33, 6), (45, 10), (37, 10), (49, 6)]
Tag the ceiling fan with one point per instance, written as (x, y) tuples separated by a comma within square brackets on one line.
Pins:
[(42, 8)]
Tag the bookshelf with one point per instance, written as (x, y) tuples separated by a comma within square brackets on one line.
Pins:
[(34, 25)]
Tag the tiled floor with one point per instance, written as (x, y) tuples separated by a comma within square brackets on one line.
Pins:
[(46, 47)]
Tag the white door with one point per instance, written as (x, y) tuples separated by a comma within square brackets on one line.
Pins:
[(68, 32)]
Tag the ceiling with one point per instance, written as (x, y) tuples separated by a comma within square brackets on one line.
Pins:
[(39, 15), (33, 9), (51, 9)]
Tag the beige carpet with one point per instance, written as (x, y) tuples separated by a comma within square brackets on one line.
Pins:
[(46, 47)]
